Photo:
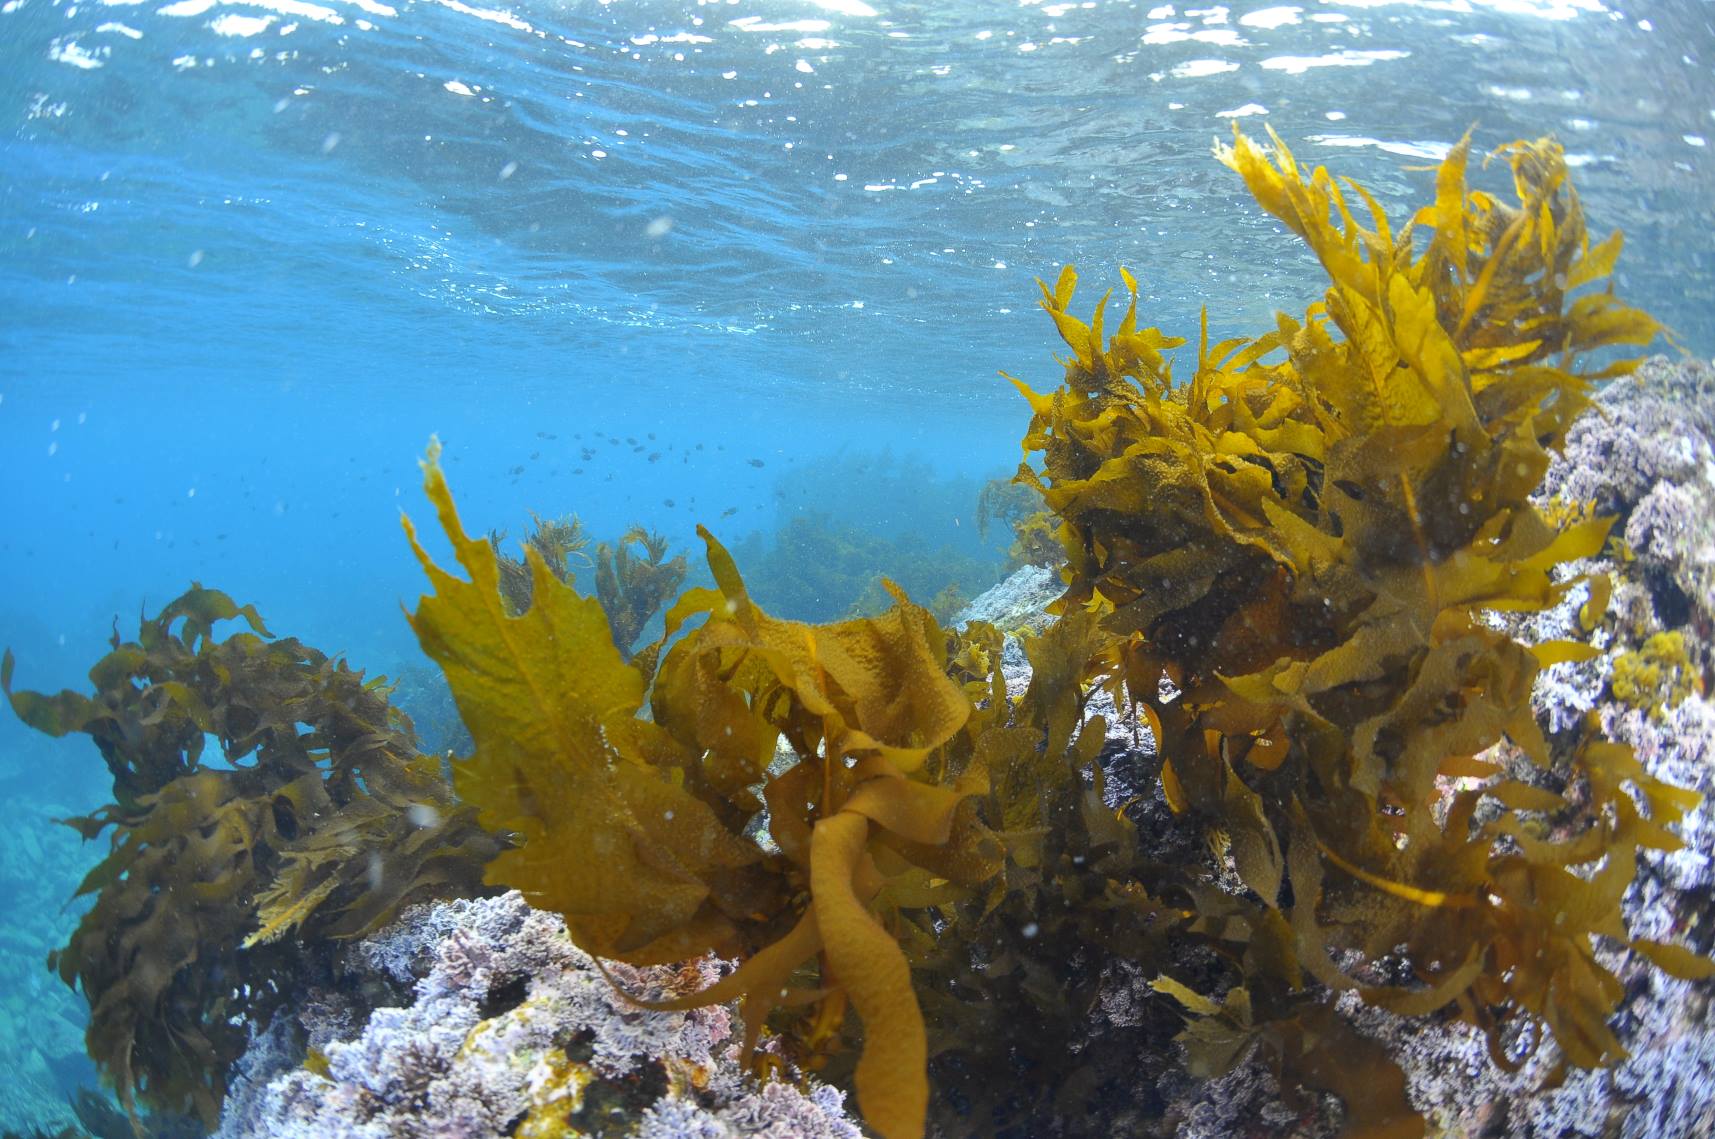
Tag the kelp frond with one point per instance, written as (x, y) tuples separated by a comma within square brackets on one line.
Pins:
[(321, 821), (632, 589)]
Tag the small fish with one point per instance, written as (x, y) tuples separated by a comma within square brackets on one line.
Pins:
[(578, 471), (516, 471), (729, 512), (668, 503), (756, 462), (534, 455), (652, 435), (631, 440), (655, 457), (699, 446)]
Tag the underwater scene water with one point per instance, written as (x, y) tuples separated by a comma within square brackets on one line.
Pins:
[(759, 266)]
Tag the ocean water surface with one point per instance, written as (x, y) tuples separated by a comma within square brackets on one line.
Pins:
[(736, 263)]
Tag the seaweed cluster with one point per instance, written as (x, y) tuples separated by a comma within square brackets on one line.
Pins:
[(1283, 565), (1293, 560), (317, 818), (561, 544), (1017, 506), (632, 587)]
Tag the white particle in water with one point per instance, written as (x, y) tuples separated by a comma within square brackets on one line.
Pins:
[(1031, 929)]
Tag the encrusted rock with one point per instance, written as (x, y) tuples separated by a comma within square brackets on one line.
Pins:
[(510, 1029)]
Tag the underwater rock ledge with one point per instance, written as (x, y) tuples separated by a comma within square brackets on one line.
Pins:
[(510, 1027)]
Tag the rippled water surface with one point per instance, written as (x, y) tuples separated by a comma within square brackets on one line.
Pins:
[(748, 263), (252, 254)]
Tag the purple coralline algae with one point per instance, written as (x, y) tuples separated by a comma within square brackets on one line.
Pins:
[(510, 1030)]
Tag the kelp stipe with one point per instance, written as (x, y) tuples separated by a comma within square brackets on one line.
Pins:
[(1293, 552), (320, 820)]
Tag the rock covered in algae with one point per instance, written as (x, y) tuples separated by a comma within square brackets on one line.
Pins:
[(1647, 454), (509, 1030)]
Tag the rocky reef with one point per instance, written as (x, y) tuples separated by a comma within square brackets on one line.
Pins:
[(504, 1027)]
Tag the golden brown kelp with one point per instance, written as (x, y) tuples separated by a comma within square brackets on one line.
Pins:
[(561, 544), (1294, 551), (318, 819), (633, 587), (636, 829)]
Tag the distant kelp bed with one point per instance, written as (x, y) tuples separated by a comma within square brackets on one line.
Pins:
[(1285, 566)]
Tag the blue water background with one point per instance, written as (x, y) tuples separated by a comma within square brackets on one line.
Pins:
[(252, 255)]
